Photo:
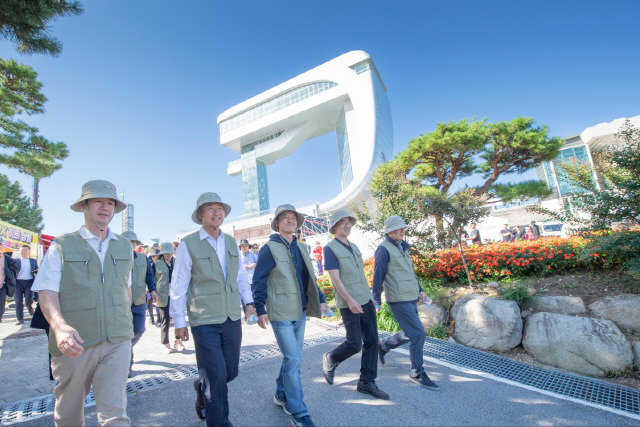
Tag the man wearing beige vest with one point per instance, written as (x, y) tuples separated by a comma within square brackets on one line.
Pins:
[(394, 269), (284, 281), (84, 287), (209, 280), (343, 261)]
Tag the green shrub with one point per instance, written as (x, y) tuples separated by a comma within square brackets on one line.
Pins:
[(439, 332), (386, 320), (517, 292), (435, 289)]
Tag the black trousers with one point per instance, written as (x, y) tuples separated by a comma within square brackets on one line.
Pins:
[(164, 319), (23, 290), (362, 333), (218, 357), (3, 299)]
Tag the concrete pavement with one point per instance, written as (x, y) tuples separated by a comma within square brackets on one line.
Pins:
[(466, 398)]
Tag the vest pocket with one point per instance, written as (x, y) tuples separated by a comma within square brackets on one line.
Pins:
[(77, 266), (122, 265), (82, 315), (122, 317)]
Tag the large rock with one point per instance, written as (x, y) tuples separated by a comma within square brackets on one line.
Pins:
[(636, 352), (558, 304), (431, 315), (623, 310), (578, 344), (487, 323)]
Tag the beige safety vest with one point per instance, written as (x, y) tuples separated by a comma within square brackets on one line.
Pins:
[(351, 271), (162, 282), (94, 300), (400, 283), (139, 279)]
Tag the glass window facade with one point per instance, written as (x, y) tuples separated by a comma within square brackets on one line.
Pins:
[(344, 152), (362, 67), (254, 183), (575, 154), (278, 103), (384, 126), (252, 145)]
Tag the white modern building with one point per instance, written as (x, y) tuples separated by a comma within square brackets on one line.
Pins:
[(345, 95), (579, 148)]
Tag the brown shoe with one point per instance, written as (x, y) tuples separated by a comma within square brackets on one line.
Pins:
[(30, 310), (199, 401)]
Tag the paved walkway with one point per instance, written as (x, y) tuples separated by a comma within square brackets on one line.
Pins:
[(466, 398)]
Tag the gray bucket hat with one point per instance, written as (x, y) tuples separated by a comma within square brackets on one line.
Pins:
[(244, 242), (284, 208), (98, 189), (166, 248), (131, 236), (209, 198), (337, 216), (393, 223)]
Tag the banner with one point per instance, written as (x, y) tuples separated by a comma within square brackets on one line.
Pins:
[(14, 237)]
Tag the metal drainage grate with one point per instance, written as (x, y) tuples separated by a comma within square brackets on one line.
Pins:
[(582, 388), (42, 406)]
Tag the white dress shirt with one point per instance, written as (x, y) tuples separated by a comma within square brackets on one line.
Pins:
[(25, 269), (50, 272), (181, 277)]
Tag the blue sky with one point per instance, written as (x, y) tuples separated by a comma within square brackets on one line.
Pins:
[(139, 85)]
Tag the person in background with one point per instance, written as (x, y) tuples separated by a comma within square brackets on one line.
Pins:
[(505, 233), (142, 278), (164, 270), (24, 280), (255, 249), (317, 256), (344, 263), (84, 290), (7, 276), (249, 259), (528, 233), (474, 235), (285, 291), (535, 230), (516, 233), (394, 269), (153, 257)]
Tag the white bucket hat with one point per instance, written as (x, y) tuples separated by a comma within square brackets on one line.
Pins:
[(132, 237), (284, 208), (394, 223), (209, 198), (166, 248), (98, 189), (336, 217)]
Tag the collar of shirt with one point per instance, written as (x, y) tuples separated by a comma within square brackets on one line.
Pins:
[(87, 235), (401, 244)]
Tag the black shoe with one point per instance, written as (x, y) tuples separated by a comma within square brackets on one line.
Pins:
[(423, 380), (381, 352), (302, 421), (130, 373), (281, 402), (328, 369), (199, 400), (372, 389)]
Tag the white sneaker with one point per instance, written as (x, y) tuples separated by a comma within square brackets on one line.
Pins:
[(178, 346)]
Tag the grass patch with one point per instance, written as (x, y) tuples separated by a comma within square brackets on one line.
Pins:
[(439, 332), (386, 320), (518, 292)]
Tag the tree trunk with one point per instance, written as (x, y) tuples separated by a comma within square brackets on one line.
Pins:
[(36, 191), (464, 261)]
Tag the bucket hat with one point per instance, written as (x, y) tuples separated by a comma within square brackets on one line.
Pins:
[(209, 198), (393, 223), (166, 248), (284, 208), (132, 237), (336, 217), (244, 242), (98, 189)]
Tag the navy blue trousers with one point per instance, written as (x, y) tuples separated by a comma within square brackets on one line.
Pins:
[(139, 312), (406, 313), (218, 358)]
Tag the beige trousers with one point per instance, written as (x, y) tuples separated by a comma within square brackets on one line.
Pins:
[(105, 367)]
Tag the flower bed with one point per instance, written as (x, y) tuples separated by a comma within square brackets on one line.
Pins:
[(522, 258)]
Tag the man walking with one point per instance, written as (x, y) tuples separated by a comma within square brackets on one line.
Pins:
[(84, 290), (7, 277), (142, 278), (394, 270), (209, 280), (284, 281), (343, 261), (24, 280), (249, 259)]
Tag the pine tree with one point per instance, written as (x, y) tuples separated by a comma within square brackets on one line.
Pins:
[(16, 208)]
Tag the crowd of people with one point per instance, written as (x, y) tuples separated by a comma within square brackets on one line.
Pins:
[(95, 287), (507, 234), (16, 278)]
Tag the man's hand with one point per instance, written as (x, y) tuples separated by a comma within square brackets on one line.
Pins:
[(68, 341), (154, 298), (249, 310), (263, 321), (354, 306), (424, 298), (182, 333)]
